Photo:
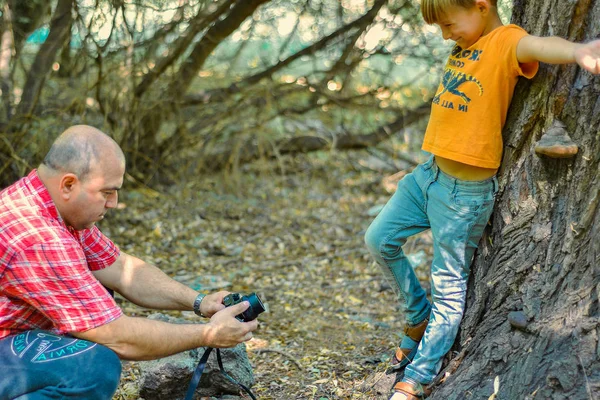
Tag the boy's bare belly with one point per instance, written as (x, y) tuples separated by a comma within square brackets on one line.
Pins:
[(462, 171)]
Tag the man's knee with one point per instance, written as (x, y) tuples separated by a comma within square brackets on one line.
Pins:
[(99, 379), (107, 371)]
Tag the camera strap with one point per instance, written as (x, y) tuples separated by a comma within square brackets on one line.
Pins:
[(200, 369)]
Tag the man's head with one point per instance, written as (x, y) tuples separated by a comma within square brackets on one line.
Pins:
[(83, 172), (463, 21)]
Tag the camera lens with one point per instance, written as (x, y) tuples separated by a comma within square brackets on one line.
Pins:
[(256, 307)]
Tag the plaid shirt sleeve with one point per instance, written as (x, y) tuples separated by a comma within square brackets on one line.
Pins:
[(100, 252), (54, 279)]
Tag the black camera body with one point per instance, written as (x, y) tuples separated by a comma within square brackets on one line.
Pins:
[(256, 305)]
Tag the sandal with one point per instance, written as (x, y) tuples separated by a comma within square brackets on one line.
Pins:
[(408, 391), (404, 354)]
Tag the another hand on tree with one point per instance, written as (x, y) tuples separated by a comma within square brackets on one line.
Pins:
[(588, 56)]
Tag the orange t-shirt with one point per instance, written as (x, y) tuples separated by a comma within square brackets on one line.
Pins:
[(470, 107)]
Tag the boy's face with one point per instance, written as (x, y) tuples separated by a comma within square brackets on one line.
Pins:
[(463, 25)]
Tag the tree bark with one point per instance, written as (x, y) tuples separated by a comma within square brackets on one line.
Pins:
[(540, 261)]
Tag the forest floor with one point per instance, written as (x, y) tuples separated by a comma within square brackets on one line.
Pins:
[(296, 238)]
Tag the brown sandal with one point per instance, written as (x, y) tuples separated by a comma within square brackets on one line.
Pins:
[(407, 391), (403, 356)]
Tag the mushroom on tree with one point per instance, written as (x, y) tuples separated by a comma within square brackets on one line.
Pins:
[(556, 142)]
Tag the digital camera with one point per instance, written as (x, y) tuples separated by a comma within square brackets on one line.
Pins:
[(256, 305)]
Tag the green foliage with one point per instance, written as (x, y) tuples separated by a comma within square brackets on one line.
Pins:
[(141, 72)]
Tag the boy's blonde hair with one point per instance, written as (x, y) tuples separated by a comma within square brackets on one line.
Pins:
[(432, 10)]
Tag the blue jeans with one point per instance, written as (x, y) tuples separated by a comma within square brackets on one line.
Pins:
[(39, 365), (457, 212)]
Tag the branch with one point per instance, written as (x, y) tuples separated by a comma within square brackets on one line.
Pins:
[(215, 35), (358, 23), (178, 48), (306, 144), (59, 32), (220, 93)]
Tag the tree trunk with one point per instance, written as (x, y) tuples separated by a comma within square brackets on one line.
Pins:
[(541, 259), (151, 122), (6, 49), (59, 32)]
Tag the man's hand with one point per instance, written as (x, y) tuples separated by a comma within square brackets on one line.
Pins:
[(224, 330), (588, 56), (213, 303)]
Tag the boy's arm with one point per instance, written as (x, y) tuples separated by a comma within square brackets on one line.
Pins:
[(555, 50)]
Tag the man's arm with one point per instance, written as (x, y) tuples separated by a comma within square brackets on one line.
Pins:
[(555, 50), (147, 286), (143, 339)]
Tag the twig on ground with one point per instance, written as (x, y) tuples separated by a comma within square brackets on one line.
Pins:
[(258, 351)]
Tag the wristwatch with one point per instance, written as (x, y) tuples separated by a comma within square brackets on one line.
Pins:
[(197, 302)]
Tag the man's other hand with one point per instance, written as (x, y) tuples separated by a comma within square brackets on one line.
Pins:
[(213, 303)]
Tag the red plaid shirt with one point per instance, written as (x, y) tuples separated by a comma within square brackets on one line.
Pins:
[(45, 266)]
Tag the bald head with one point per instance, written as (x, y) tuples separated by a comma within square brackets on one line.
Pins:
[(81, 148)]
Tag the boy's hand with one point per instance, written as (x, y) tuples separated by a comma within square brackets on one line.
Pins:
[(588, 56)]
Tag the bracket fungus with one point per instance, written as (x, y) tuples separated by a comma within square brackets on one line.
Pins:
[(556, 142)]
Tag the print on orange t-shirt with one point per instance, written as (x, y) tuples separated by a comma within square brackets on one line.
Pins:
[(470, 106)]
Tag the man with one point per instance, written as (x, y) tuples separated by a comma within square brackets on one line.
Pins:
[(61, 333)]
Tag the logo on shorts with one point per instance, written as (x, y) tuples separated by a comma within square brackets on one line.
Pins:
[(41, 346)]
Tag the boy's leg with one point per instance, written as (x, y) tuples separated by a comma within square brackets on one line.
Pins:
[(403, 216), (38, 365), (458, 212)]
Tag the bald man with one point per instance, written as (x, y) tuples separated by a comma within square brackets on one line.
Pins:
[(61, 333)]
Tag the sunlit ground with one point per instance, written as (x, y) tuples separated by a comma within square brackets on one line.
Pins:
[(298, 241)]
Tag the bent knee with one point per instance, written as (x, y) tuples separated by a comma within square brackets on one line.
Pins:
[(375, 241), (104, 373), (112, 372), (382, 245)]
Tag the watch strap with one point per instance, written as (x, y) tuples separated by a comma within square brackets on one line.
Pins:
[(197, 303)]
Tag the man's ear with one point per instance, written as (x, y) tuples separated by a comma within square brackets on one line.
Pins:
[(68, 183)]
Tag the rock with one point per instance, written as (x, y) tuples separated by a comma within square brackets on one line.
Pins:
[(203, 283), (518, 320), (169, 377), (556, 142), (378, 382)]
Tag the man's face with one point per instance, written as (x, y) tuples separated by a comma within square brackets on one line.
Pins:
[(463, 25), (95, 195)]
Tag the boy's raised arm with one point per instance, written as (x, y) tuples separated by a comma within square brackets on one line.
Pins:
[(555, 50)]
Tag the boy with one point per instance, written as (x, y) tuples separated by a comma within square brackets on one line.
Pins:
[(453, 192)]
